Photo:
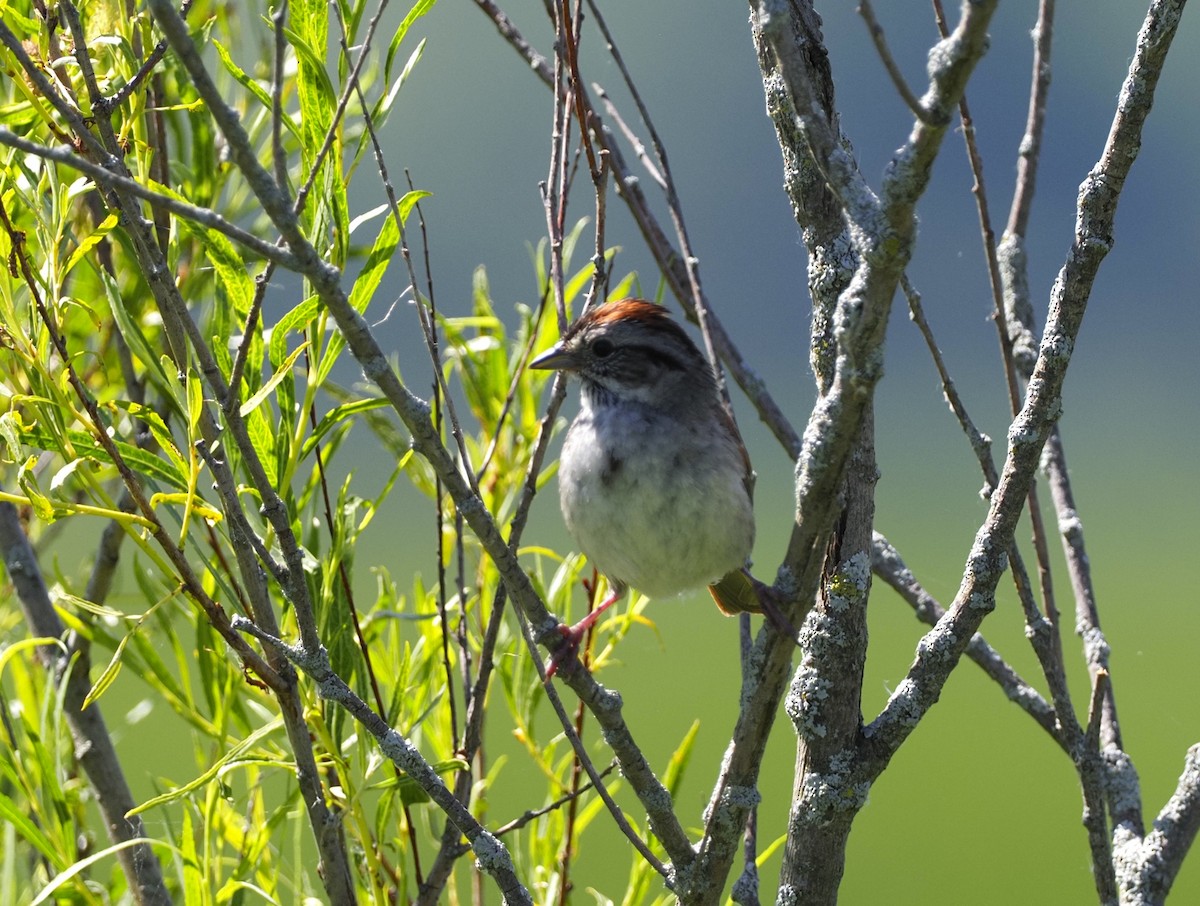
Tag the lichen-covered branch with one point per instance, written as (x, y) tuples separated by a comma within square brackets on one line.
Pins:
[(491, 855), (891, 568), (1148, 865), (94, 748), (940, 649)]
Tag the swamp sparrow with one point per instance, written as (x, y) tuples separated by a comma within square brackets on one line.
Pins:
[(654, 482)]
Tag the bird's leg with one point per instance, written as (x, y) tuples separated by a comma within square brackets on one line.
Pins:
[(573, 635)]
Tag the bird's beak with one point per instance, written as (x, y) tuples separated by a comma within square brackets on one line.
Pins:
[(556, 358)]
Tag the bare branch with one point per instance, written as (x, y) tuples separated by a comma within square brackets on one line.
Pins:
[(890, 567), (885, 56), (491, 855), (94, 748), (1147, 866), (939, 651), (1031, 142)]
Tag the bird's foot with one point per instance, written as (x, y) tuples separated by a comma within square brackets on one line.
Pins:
[(567, 654), (772, 603)]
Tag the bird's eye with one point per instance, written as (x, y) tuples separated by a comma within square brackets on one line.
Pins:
[(602, 348)]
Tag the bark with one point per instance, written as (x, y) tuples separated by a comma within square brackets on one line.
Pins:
[(825, 698)]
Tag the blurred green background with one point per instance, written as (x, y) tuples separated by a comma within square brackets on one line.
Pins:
[(979, 806)]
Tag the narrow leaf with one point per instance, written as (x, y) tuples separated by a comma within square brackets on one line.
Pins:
[(255, 401), (228, 759), (94, 239), (109, 674)]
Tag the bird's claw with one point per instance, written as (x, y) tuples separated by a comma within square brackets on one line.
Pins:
[(567, 654)]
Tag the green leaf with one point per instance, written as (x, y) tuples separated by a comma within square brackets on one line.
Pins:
[(192, 875), (230, 759), (11, 428), (109, 674), (382, 252), (250, 85), (262, 438), (677, 766), (86, 446), (308, 35), (230, 270), (370, 276), (160, 432), (195, 398), (27, 482), (98, 610), (280, 373), (94, 239), (411, 793), (336, 415), (135, 339), (28, 831), (83, 865), (385, 105), (295, 321), (420, 8), (17, 116)]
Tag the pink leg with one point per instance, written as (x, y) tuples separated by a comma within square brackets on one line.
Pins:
[(574, 634)]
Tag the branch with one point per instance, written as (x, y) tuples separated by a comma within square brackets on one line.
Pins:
[(414, 412), (491, 855), (891, 568), (939, 650), (70, 665), (1147, 866)]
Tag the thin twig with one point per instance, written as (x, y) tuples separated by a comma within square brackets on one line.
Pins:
[(122, 94), (639, 147), (1028, 153), (669, 260), (569, 42), (980, 442), (581, 753), (911, 101), (533, 814), (1087, 614), (1049, 645)]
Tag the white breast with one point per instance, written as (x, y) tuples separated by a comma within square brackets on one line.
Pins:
[(653, 502)]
